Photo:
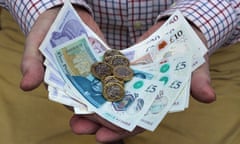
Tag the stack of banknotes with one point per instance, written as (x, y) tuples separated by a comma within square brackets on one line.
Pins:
[(162, 65)]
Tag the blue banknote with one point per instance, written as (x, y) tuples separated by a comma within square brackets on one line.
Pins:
[(74, 60), (71, 48)]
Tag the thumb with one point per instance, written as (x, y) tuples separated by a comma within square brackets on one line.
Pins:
[(201, 88), (32, 62), (32, 65)]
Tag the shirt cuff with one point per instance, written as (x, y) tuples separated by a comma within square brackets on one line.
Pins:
[(215, 19), (26, 12)]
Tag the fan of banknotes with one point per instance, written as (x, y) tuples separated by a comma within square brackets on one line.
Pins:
[(161, 68)]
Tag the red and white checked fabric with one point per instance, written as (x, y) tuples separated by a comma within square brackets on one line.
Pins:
[(123, 21), (26, 12)]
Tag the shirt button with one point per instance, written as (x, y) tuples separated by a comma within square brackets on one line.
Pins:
[(137, 24)]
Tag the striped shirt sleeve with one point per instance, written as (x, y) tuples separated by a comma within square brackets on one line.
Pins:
[(218, 20), (2, 3), (26, 12)]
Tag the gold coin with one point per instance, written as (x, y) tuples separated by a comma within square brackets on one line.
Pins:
[(118, 60), (113, 92), (112, 53), (110, 79), (101, 70), (107, 59), (123, 72)]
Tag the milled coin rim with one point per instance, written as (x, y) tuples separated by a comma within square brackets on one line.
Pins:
[(116, 98), (113, 58)]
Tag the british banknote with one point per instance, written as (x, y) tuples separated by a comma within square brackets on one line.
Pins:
[(174, 73), (63, 30), (74, 60), (71, 83)]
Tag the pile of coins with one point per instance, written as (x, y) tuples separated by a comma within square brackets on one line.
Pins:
[(113, 72)]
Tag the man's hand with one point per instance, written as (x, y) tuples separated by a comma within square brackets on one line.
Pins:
[(32, 62), (107, 132), (33, 73), (201, 88)]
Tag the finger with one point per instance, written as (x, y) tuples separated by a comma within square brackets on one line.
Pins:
[(108, 124), (32, 70), (101, 121), (106, 135), (109, 132), (201, 88), (32, 61), (81, 125)]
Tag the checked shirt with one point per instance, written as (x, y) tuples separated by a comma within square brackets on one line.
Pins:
[(123, 21)]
